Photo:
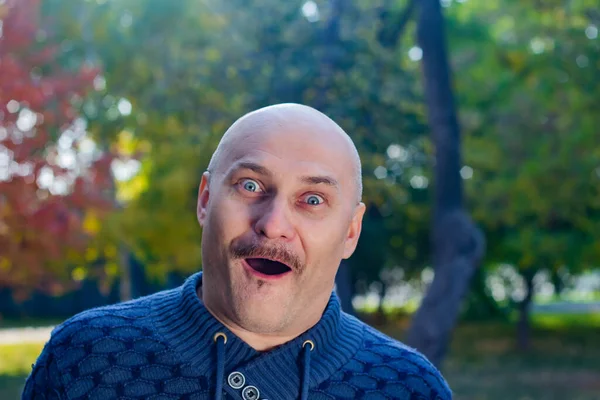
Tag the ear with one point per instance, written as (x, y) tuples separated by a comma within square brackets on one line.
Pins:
[(354, 230), (203, 195)]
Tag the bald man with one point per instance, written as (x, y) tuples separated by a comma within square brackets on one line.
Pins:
[(280, 206)]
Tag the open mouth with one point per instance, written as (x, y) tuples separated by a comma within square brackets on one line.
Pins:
[(267, 267)]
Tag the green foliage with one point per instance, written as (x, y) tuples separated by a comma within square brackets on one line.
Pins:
[(339, 64), (525, 76), (17, 358), (166, 60), (189, 69), (15, 365)]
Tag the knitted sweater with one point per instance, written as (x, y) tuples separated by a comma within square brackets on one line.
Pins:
[(167, 346)]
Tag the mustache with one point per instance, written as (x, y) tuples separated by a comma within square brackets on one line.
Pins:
[(257, 249)]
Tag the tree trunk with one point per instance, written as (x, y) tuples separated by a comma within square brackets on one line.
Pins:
[(125, 282), (558, 282), (331, 41), (382, 295), (381, 316), (344, 288), (458, 245), (332, 49), (393, 24), (523, 326)]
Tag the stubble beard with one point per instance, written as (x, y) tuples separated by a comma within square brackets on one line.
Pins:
[(233, 298), (257, 314)]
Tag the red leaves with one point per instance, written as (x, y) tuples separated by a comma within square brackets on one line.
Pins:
[(40, 225), (20, 23)]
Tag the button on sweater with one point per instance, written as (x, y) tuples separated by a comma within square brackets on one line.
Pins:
[(167, 346)]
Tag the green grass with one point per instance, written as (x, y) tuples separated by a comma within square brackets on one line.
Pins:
[(482, 364), (567, 321), (561, 364), (17, 358), (15, 365)]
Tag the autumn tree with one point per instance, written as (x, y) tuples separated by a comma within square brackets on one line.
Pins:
[(525, 88), (49, 177)]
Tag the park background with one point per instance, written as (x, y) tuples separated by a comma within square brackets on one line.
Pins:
[(478, 125)]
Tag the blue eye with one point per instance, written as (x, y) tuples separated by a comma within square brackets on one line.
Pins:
[(251, 186), (314, 200)]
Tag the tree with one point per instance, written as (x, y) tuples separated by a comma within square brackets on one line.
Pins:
[(177, 106), (457, 244), (48, 183), (221, 64), (185, 70), (349, 60), (526, 98)]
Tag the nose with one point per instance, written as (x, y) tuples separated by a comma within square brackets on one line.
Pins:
[(273, 221)]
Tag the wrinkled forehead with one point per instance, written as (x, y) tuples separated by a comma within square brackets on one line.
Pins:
[(298, 147)]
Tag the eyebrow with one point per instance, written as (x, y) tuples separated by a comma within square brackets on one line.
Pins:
[(310, 180), (316, 180), (257, 168)]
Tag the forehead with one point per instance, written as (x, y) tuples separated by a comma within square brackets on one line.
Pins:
[(292, 149)]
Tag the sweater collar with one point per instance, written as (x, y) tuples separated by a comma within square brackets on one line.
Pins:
[(186, 324)]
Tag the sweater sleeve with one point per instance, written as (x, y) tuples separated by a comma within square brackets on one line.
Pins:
[(44, 381)]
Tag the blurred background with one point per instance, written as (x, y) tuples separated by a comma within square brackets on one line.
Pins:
[(478, 125)]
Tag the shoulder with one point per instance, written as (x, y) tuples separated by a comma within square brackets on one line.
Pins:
[(103, 320), (405, 368), (112, 329), (384, 367), (100, 345)]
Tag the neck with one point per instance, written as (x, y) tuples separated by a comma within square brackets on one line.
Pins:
[(258, 341)]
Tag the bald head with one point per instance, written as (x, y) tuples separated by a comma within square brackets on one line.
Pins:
[(283, 188), (298, 122)]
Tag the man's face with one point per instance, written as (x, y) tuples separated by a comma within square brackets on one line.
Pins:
[(279, 213)]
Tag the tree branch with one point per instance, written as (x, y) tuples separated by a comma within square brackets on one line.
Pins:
[(394, 24)]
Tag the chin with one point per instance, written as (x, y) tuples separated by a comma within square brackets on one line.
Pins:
[(262, 317), (263, 327)]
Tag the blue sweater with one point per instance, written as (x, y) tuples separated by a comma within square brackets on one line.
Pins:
[(167, 346)]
